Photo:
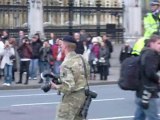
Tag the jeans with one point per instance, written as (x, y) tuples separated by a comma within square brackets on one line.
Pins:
[(44, 65), (33, 68), (151, 113), (56, 68), (8, 73)]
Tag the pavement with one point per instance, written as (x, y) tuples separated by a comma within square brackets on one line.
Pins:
[(112, 78)]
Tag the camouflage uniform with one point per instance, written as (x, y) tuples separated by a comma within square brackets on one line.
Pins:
[(73, 79)]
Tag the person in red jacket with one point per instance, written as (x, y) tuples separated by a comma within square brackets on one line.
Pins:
[(58, 56)]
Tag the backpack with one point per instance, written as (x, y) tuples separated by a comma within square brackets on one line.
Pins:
[(130, 74)]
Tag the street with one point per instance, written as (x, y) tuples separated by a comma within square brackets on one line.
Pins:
[(33, 104)]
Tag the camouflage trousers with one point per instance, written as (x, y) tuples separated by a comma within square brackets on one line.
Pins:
[(70, 106)]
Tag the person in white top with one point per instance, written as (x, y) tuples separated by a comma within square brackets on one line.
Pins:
[(7, 63), (52, 40)]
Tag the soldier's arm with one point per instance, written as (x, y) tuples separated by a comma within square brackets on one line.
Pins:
[(67, 79)]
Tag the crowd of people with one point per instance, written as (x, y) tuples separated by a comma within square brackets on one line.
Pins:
[(61, 55), (33, 56)]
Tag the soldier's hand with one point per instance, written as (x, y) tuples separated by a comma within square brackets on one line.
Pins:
[(54, 86)]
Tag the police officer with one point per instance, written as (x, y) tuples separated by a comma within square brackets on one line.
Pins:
[(72, 76), (152, 20), (138, 46), (151, 26)]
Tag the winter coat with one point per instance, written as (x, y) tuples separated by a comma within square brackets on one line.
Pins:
[(150, 63), (79, 48), (36, 47), (126, 52), (55, 53), (25, 51), (94, 53), (45, 54), (6, 54), (104, 56)]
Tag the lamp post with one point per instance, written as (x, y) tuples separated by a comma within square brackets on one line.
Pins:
[(28, 8), (80, 12), (47, 11), (70, 4), (16, 13), (117, 17), (98, 4)]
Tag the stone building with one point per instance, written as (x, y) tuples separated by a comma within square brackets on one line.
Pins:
[(13, 13), (57, 14)]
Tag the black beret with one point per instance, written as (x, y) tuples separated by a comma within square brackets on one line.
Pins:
[(69, 38)]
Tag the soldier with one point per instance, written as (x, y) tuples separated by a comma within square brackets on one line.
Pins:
[(72, 76)]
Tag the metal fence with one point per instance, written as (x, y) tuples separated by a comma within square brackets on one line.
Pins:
[(18, 12)]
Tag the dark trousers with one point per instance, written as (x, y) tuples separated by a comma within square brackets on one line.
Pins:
[(24, 67), (103, 70), (14, 69)]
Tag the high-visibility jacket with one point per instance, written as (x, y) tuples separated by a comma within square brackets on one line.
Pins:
[(138, 46), (151, 24)]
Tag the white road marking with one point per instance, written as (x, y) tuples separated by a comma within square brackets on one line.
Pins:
[(34, 104), (23, 90), (112, 99), (104, 85), (54, 103), (29, 95), (113, 118)]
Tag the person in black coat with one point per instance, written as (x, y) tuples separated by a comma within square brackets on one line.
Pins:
[(108, 43), (147, 94), (103, 61), (80, 48), (5, 36), (34, 63), (126, 51)]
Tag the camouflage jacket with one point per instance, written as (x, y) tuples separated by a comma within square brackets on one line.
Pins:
[(72, 73)]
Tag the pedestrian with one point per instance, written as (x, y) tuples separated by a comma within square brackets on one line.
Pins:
[(1, 55), (93, 57), (58, 56), (103, 61), (34, 63), (5, 36), (126, 51), (147, 94), (7, 63), (72, 76), (108, 42), (83, 35), (25, 54), (80, 47), (45, 58), (20, 36), (52, 39), (14, 58), (86, 50)]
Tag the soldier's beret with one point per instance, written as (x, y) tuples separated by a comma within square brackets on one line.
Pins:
[(69, 38)]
